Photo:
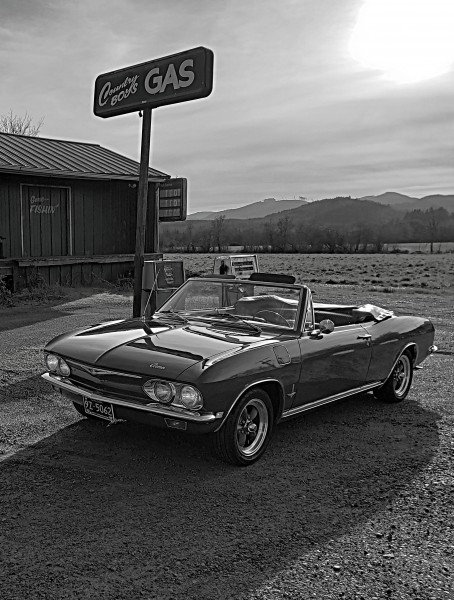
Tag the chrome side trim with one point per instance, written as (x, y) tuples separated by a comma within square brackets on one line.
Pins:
[(154, 408), (244, 390), (329, 399)]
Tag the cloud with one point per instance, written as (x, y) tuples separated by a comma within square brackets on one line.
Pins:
[(291, 112)]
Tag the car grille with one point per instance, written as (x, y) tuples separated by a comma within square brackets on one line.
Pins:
[(107, 381)]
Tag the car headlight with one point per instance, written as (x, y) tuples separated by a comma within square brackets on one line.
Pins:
[(191, 397), (63, 368), (52, 362), (161, 391)]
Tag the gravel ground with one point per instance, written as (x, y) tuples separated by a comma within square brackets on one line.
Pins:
[(350, 501)]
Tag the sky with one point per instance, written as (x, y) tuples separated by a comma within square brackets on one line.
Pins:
[(311, 98)]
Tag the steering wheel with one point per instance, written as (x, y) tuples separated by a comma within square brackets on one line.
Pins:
[(272, 317)]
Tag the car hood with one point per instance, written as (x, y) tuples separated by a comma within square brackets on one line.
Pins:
[(153, 347)]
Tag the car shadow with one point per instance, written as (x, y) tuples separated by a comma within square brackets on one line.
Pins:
[(124, 511)]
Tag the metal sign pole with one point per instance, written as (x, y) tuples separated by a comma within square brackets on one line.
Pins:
[(142, 199)]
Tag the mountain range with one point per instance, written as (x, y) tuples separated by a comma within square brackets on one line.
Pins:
[(256, 210), (271, 206), (408, 203)]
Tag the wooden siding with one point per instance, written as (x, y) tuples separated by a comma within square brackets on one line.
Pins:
[(71, 270), (102, 218)]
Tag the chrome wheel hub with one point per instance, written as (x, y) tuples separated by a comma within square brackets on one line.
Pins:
[(401, 375), (252, 427)]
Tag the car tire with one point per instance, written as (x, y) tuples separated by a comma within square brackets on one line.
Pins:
[(246, 433), (398, 384)]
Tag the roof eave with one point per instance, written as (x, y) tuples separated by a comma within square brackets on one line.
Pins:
[(78, 174)]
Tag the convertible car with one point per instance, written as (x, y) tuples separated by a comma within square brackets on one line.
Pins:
[(232, 358)]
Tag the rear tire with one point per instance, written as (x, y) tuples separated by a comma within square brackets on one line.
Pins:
[(398, 384), (246, 433)]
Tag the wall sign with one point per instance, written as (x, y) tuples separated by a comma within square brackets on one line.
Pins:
[(184, 76), (173, 199), (46, 228)]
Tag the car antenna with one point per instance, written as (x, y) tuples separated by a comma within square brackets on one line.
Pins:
[(151, 291)]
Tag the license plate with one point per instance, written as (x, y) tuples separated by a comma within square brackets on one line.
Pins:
[(100, 409)]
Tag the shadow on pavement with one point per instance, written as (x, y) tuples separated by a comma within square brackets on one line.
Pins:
[(15, 317), (123, 511)]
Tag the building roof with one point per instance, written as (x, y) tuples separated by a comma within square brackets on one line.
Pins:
[(62, 158)]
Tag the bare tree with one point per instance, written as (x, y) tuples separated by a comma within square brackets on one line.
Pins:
[(204, 237), (20, 125), (217, 226), (283, 230), (333, 240), (434, 219)]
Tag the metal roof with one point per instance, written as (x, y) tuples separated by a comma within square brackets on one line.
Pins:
[(62, 158)]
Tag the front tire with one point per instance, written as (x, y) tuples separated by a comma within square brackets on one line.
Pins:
[(246, 433), (398, 384)]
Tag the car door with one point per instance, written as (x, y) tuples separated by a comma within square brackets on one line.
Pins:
[(331, 363)]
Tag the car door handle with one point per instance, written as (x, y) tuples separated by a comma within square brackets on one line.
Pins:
[(365, 336)]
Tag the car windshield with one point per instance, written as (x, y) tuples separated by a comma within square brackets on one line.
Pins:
[(235, 302)]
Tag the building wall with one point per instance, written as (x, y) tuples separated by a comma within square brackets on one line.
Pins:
[(43, 217)]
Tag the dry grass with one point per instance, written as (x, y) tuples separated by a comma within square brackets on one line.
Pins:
[(380, 272)]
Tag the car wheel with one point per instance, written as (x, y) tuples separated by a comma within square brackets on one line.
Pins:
[(246, 433), (398, 383)]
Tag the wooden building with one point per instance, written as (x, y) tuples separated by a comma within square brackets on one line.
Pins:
[(68, 211)]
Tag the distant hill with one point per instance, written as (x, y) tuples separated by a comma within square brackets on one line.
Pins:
[(390, 198), (409, 203), (271, 206), (256, 210), (434, 201), (335, 212)]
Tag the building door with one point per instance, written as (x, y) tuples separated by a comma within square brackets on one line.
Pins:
[(46, 220)]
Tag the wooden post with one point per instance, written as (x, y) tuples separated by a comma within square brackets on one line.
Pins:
[(142, 198)]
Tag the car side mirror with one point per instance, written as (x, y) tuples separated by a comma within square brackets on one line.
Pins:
[(326, 326)]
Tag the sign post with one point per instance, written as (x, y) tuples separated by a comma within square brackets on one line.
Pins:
[(142, 197), (177, 78)]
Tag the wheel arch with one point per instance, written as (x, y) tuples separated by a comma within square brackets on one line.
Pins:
[(412, 349), (274, 389)]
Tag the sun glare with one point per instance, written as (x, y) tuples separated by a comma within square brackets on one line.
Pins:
[(408, 40)]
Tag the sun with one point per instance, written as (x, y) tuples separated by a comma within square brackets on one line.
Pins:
[(408, 40)]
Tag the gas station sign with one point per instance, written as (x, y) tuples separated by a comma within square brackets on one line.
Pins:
[(184, 76), (173, 199), (141, 88)]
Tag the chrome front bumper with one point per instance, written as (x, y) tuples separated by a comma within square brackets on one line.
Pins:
[(152, 407)]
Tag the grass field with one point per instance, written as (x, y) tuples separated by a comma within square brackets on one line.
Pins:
[(374, 272)]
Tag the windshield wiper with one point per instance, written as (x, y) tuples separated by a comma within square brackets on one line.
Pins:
[(229, 316), (171, 313)]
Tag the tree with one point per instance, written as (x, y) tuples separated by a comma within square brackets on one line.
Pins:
[(282, 228), (204, 237), (434, 220), (20, 125), (217, 226)]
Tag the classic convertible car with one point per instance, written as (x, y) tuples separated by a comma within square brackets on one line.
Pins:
[(233, 358)]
